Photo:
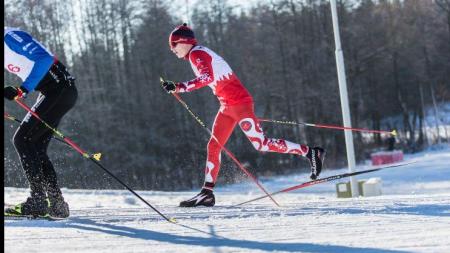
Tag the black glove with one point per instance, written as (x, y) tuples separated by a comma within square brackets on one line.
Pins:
[(169, 86), (11, 92)]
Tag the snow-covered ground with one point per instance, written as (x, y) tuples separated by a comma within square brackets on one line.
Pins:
[(412, 215)]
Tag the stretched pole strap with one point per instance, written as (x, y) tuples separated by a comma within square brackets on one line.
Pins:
[(393, 132), (93, 158), (223, 148)]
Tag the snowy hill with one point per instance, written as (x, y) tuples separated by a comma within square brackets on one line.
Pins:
[(412, 215)]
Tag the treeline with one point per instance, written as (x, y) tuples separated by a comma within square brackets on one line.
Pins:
[(397, 63)]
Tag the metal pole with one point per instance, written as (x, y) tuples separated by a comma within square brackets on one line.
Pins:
[(344, 99)]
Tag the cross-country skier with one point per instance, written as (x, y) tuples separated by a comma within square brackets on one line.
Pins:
[(41, 71), (236, 107)]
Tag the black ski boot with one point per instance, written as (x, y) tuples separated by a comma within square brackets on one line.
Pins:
[(316, 156), (204, 198), (58, 208), (31, 207)]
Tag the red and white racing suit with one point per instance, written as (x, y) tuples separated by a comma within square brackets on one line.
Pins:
[(236, 108)]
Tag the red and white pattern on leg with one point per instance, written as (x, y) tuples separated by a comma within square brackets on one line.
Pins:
[(212, 167), (254, 133), (208, 172), (260, 142)]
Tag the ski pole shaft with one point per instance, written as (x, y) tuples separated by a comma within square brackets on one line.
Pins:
[(222, 147), (55, 131), (12, 118), (94, 158), (393, 132), (132, 191)]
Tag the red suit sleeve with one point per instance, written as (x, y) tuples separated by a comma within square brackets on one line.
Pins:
[(202, 61)]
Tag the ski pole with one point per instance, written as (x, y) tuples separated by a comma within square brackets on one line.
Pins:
[(225, 149), (326, 179), (393, 132), (94, 158), (58, 133), (12, 118)]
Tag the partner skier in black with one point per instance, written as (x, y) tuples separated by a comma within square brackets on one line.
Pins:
[(41, 71)]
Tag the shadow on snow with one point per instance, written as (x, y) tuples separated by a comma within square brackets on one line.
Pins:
[(213, 240)]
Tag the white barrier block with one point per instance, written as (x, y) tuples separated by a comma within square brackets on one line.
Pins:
[(372, 187)]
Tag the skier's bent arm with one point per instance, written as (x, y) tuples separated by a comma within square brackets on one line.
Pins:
[(202, 61)]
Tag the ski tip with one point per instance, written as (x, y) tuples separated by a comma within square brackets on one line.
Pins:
[(394, 132), (173, 220), (161, 79)]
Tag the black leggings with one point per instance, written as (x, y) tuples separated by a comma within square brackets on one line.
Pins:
[(32, 137)]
